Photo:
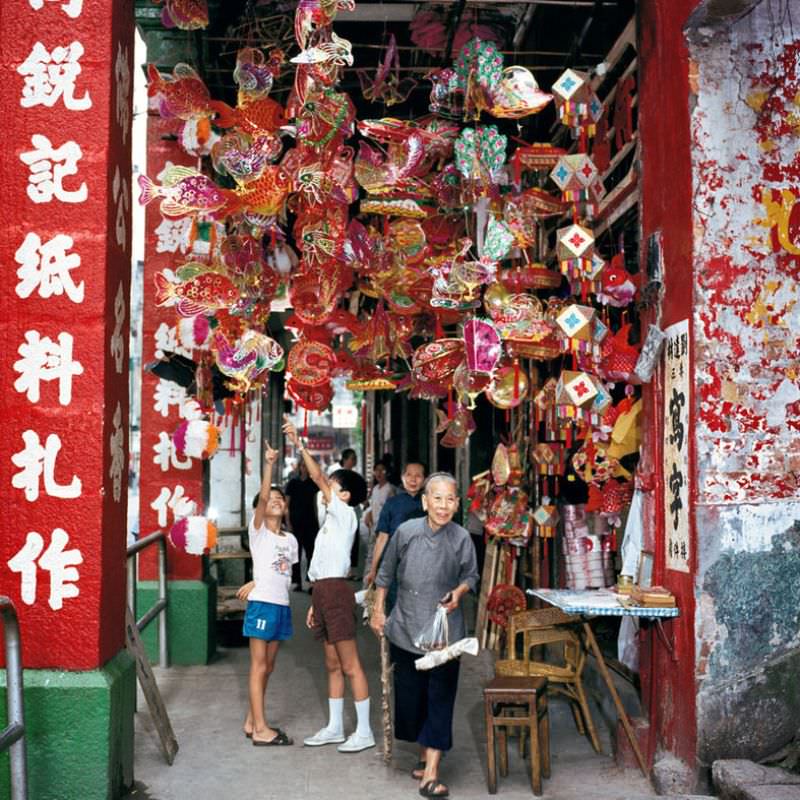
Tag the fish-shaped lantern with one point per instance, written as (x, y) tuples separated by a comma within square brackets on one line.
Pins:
[(198, 290), (184, 95), (188, 15), (183, 191)]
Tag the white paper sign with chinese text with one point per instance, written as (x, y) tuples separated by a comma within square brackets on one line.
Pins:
[(676, 446)]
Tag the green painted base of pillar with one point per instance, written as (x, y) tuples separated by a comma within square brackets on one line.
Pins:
[(78, 731), (191, 620)]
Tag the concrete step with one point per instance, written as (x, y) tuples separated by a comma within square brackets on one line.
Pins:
[(739, 779)]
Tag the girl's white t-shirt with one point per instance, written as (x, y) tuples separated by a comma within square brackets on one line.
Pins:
[(273, 555)]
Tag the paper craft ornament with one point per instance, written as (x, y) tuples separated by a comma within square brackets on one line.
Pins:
[(498, 240), (311, 398), (509, 515), (505, 600), (310, 363), (437, 360), (576, 321), (578, 106), (482, 345), (196, 438), (480, 153), (509, 387), (194, 535), (545, 519), (579, 181)]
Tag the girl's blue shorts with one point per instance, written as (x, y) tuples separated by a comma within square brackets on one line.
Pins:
[(267, 621)]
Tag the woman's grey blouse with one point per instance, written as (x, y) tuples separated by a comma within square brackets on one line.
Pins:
[(426, 566)]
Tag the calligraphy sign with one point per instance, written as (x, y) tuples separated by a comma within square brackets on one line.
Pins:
[(676, 446)]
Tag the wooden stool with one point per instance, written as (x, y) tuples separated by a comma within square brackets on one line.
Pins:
[(504, 694)]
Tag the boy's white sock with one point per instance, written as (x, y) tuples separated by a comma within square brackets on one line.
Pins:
[(336, 714), (362, 716)]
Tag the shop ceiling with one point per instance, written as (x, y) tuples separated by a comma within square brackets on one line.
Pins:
[(546, 36)]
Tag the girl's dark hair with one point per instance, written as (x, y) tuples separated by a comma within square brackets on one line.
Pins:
[(272, 489), (352, 482)]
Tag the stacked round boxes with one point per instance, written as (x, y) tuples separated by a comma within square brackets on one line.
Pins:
[(587, 549)]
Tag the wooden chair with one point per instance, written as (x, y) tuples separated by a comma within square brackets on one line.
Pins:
[(522, 703), (551, 626)]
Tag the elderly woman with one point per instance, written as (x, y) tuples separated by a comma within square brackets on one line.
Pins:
[(433, 561)]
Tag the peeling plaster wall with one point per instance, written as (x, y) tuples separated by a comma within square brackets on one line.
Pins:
[(746, 176)]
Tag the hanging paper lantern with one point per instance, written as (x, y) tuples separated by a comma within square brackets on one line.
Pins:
[(579, 181), (545, 518), (509, 387), (196, 438), (311, 398), (480, 154), (437, 361), (311, 363), (505, 600), (482, 344), (193, 535), (578, 106), (517, 94)]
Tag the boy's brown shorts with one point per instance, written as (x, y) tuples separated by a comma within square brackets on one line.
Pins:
[(334, 610)]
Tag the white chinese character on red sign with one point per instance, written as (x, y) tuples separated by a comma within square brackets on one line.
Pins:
[(46, 360), (47, 266), (176, 501), (117, 454), (122, 76), (72, 8), (167, 394), (117, 341), (165, 455), (36, 461), (173, 235), (60, 563), (52, 75), (49, 166), (119, 190)]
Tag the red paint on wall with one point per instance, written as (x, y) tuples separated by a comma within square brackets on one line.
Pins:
[(161, 148), (668, 687), (71, 619)]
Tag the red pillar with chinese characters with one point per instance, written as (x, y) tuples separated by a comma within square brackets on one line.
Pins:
[(65, 167), (170, 486)]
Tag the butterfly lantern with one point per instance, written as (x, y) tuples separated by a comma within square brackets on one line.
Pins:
[(578, 106)]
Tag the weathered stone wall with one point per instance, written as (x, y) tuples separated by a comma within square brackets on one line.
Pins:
[(746, 178)]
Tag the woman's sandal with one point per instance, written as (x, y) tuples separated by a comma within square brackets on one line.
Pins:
[(280, 739), (429, 789), (419, 771)]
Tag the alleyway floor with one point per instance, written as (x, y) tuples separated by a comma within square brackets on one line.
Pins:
[(207, 706)]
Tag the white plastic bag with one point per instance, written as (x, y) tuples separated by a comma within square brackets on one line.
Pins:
[(634, 535), (439, 657), (434, 636), (628, 643)]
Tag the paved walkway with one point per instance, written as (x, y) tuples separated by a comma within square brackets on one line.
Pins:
[(207, 706)]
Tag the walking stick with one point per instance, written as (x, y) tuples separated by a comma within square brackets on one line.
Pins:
[(386, 701)]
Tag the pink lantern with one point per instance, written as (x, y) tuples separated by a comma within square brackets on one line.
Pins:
[(483, 345)]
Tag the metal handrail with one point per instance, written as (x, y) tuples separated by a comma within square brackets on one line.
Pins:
[(159, 609), (13, 736)]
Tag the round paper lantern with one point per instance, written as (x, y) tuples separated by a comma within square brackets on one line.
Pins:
[(193, 332), (509, 388), (311, 363), (196, 438), (193, 535)]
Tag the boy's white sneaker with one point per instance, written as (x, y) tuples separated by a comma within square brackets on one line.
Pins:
[(356, 743), (323, 736)]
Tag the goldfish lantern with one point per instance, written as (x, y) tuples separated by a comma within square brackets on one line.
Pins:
[(509, 387), (193, 535), (579, 181), (197, 289), (578, 106), (482, 345), (184, 191), (196, 438), (193, 332), (619, 357)]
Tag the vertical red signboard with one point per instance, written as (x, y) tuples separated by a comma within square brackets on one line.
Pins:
[(65, 101)]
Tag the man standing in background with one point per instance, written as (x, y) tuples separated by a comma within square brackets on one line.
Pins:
[(301, 493)]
